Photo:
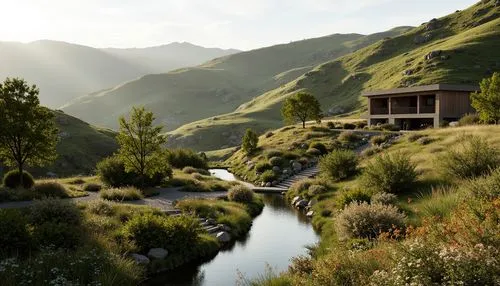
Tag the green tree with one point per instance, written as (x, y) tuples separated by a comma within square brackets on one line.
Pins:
[(141, 144), (250, 141), (28, 134), (302, 106), (487, 101)]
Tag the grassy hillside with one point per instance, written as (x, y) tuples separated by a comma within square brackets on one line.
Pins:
[(218, 86), (469, 42), (80, 147), (64, 71)]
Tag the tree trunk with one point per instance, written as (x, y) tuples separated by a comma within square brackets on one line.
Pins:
[(304, 124), (20, 169)]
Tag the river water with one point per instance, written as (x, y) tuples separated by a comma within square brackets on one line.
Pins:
[(277, 234)]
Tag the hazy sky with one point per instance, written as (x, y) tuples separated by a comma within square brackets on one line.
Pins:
[(213, 23)]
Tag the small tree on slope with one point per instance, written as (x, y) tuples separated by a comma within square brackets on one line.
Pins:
[(28, 134), (487, 102), (250, 141), (141, 144), (301, 107)]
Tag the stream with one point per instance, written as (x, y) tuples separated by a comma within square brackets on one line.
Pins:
[(278, 234)]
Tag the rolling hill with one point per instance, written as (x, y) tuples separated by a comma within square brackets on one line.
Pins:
[(64, 71), (463, 48), (218, 86), (80, 147)]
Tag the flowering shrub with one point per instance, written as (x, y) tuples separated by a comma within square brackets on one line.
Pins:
[(419, 263), (362, 220)]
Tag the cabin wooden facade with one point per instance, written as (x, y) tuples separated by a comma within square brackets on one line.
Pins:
[(419, 107)]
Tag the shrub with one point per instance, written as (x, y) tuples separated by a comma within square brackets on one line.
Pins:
[(275, 161), (100, 207), (486, 188), (390, 173), (389, 127), (250, 141), (424, 140), (378, 140), (262, 167), (469, 119), (189, 170), (12, 180), (112, 172), (316, 190), (361, 124), (338, 165), (313, 152), (414, 137), (370, 151), (15, 237), (290, 156), (384, 198), (50, 189), (349, 137), (268, 176), (326, 213), (197, 176), (330, 125), (354, 195), (56, 211), (362, 220), (57, 234), (122, 194), (177, 234), (319, 146), (240, 194), (349, 126), (473, 157), (92, 187), (273, 153), (180, 158)]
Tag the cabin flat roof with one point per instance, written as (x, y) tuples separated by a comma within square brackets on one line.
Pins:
[(415, 89)]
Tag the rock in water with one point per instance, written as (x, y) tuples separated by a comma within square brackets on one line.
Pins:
[(310, 214), (157, 253), (223, 236), (140, 259)]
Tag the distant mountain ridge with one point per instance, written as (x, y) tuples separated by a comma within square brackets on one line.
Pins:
[(219, 85), (64, 71)]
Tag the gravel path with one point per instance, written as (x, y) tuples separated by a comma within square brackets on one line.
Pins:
[(163, 200)]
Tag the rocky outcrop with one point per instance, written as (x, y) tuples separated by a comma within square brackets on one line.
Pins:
[(157, 253), (223, 236), (140, 259)]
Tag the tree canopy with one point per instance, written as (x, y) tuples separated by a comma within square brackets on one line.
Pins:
[(250, 141), (28, 134), (141, 144), (487, 101), (301, 107)]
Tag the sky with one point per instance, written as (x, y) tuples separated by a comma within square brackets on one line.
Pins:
[(236, 24)]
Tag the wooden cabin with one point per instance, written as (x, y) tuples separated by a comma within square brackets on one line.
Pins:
[(419, 107)]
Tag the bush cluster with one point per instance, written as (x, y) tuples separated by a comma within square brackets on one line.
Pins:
[(240, 194), (262, 167), (339, 164), (473, 157), (50, 189), (112, 172), (362, 220), (319, 146), (175, 234), (469, 119), (101, 207), (349, 137), (268, 176), (276, 161), (354, 195), (390, 173), (180, 158), (12, 179)]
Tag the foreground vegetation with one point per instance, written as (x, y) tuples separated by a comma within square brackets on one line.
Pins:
[(422, 213)]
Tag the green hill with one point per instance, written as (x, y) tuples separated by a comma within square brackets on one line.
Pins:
[(218, 86), (64, 71), (466, 47)]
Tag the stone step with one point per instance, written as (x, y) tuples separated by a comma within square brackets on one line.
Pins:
[(212, 229)]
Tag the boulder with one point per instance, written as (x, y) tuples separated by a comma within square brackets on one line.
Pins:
[(157, 253), (263, 184), (224, 227), (268, 184), (211, 221), (297, 166), (301, 204), (140, 259), (310, 214), (223, 236), (454, 124), (295, 199), (433, 54), (276, 169), (274, 183)]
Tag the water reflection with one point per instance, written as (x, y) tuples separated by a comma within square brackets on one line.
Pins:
[(277, 235)]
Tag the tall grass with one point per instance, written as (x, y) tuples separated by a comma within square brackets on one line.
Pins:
[(122, 194)]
